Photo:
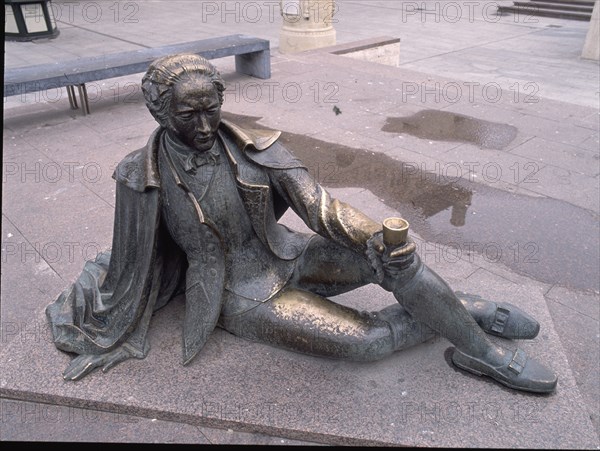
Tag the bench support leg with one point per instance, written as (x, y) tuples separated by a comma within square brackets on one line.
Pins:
[(83, 97), (72, 99), (256, 64), (85, 105)]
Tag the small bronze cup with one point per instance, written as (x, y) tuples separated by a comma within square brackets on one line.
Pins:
[(395, 231)]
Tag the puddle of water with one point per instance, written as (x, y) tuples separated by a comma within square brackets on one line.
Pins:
[(543, 238), (446, 126)]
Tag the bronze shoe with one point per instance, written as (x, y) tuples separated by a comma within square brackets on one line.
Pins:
[(519, 373), (500, 318)]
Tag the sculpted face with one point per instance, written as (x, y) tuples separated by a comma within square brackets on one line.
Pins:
[(194, 113)]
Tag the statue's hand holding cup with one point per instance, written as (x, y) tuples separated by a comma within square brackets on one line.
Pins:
[(395, 237), (391, 250)]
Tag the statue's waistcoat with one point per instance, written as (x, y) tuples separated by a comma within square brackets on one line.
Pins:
[(212, 196), (251, 152)]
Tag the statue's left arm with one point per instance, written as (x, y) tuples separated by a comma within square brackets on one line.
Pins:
[(327, 216)]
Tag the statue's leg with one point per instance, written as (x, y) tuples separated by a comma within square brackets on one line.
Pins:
[(328, 269), (428, 299), (301, 318), (432, 306), (306, 322)]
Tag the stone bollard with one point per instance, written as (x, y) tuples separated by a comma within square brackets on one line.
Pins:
[(591, 47), (307, 24)]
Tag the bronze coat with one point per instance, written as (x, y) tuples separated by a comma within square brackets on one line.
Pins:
[(112, 301)]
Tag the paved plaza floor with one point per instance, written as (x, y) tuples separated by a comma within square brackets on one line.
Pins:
[(514, 219)]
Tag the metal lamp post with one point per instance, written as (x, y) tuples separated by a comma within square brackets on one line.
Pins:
[(26, 20)]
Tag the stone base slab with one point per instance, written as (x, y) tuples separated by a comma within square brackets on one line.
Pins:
[(413, 398)]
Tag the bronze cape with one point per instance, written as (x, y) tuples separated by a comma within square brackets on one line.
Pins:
[(112, 301)]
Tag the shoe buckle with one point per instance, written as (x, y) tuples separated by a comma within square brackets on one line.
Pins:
[(500, 320), (518, 361)]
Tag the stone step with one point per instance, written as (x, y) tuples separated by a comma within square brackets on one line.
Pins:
[(532, 10), (556, 6), (589, 3)]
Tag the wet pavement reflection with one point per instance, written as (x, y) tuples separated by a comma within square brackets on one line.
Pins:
[(446, 126), (539, 237)]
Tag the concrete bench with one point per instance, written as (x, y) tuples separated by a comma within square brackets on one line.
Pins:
[(252, 57)]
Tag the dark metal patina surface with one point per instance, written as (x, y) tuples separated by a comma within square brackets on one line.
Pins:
[(197, 212)]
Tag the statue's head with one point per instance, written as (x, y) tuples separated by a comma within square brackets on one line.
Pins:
[(184, 93)]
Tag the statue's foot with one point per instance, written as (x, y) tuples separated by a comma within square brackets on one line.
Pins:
[(500, 318), (518, 372)]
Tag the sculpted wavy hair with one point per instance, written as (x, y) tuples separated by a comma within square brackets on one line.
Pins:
[(165, 72)]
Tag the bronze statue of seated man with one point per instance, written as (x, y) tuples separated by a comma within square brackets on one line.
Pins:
[(197, 211)]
